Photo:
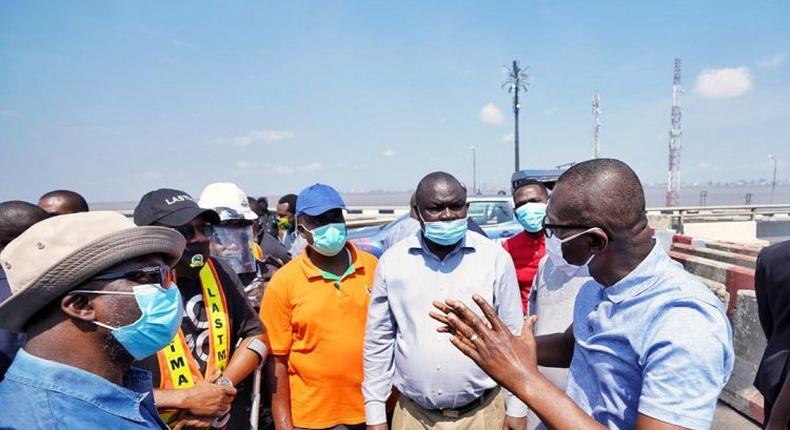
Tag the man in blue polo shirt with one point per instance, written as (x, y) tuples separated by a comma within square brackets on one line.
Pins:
[(650, 346)]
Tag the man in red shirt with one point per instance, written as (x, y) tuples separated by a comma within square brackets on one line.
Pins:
[(528, 247)]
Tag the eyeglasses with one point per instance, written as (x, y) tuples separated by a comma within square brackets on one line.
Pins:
[(548, 229), (143, 275), (188, 230)]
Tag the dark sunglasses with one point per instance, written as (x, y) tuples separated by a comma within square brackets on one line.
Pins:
[(163, 275), (188, 230)]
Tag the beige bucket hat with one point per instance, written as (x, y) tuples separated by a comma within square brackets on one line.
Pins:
[(55, 255)]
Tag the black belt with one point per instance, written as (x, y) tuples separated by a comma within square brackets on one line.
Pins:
[(465, 409)]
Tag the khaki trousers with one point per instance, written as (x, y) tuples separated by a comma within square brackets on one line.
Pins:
[(488, 416)]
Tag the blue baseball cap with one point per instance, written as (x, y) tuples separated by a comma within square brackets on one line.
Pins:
[(317, 199)]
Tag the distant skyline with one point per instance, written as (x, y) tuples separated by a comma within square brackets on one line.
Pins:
[(113, 99)]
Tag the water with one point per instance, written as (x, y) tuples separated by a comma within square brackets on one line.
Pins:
[(655, 195)]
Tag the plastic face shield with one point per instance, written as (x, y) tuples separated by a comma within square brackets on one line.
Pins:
[(231, 244)]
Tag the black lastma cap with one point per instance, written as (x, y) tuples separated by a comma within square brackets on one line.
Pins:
[(171, 208)]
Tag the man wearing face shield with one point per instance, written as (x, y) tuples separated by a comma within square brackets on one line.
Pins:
[(650, 347), (232, 241), (314, 310), (439, 387), (93, 292), (219, 342)]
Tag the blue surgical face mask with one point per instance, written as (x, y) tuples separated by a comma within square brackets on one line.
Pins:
[(330, 239), (157, 326), (444, 232), (530, 216)]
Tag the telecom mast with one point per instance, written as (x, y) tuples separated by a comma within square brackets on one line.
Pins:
[(516, 79), (596, 110), (673, 177)]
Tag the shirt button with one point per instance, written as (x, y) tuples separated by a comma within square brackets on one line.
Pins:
[(440, 392), (438, 367)]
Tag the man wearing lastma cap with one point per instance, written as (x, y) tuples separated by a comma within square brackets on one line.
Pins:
[(219, 342), (314, 310), (93, 292)]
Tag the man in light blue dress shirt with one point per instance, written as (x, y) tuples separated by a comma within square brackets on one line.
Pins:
[(650, 347), (438, 385)]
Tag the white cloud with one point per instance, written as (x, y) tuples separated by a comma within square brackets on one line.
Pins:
[(508, 137), (492, 115), (279, 169), (723, 83), (256, 136), (388, 153), (773, 61), (311, 167)]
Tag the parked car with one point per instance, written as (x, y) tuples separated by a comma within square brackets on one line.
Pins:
[(494, 214)]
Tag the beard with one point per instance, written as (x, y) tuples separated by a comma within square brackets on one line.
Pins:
[(119, 357), (122, 312)]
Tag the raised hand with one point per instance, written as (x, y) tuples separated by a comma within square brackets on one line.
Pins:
[(510, 360)]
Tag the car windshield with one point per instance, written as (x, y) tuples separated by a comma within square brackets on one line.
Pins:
[(490, 212)]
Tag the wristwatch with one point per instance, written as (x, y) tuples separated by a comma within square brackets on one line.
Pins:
[(224, 381)]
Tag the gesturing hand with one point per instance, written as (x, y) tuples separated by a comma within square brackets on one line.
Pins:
[(510, 360)]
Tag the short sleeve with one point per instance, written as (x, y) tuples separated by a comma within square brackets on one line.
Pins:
[(276, 315), (685, 370)]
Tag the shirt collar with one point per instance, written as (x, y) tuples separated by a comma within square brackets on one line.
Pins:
[(123, 401), (311, 271), (645, 275), (417, 245)]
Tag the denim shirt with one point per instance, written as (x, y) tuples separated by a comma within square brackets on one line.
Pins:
[(43, 394)]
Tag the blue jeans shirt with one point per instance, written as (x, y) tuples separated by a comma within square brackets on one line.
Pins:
[(43, 394)]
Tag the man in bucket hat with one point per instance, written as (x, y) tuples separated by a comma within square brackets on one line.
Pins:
[(93, 292)]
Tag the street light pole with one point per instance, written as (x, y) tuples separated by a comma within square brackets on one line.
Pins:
[(773, 182), (474, 170)]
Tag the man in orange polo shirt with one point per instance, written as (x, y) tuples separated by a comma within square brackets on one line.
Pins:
[(314, 310), (529, 246)]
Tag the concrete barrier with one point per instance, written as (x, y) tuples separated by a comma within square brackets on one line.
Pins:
[(730, 267), (738, 231), (724, 256), (733, 277), (749, 342)]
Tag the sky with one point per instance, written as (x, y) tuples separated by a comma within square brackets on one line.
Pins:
[(116, 98)]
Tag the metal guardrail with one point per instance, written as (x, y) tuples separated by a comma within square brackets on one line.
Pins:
[(722, 213)]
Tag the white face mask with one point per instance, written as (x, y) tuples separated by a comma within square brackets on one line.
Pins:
[(554, 251)]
